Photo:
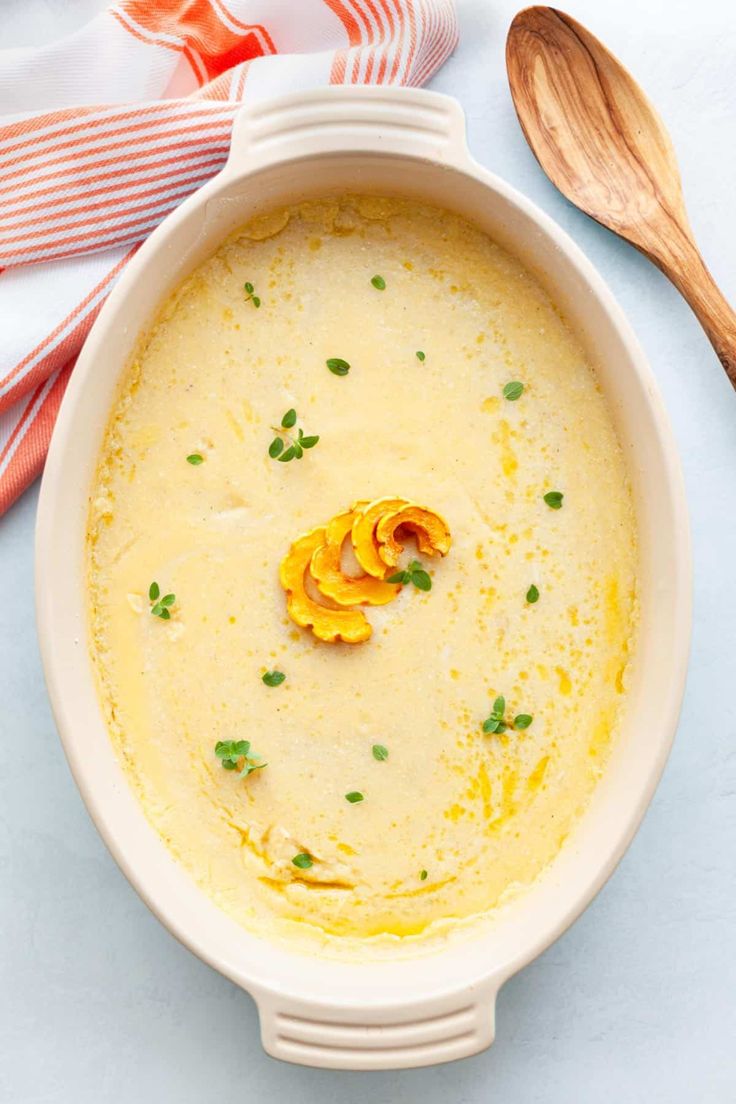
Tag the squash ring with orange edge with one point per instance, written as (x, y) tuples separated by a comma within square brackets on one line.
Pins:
[(329, 625), (431, 532), (364, 539)]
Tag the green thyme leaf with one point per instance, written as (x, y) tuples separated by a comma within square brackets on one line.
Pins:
[(256, 301), (532, 595), (289, 419), (499, 705), (274, 678), (423, 875), (276, 446), (513, 391), (379, 283), (491, 724), (303, 860), (354, 797), (288, 455), (252, 764), (153, 591), (399, 577), (338, 366), (421, 579), (194, 459), (554, 499), (419, 576), (298, 450), (380, 752), (248, 288), (421, 356), (522, 720), (168, 600), (308, 442)]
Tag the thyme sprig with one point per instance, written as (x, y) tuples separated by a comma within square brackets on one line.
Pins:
[(285, 446), (415, 574), (251, 295), (233, 753), (160, 606), (499, 723)]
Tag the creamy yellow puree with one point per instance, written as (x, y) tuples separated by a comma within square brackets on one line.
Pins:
[(481, 814)]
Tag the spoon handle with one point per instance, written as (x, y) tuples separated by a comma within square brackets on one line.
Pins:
[(680, 260)]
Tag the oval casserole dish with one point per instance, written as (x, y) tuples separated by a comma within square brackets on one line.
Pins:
[(418, 1011)]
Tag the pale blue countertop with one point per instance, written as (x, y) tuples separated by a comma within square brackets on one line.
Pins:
[(637, 1002)]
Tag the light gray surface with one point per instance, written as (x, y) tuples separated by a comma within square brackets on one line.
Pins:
[(99, 1005)]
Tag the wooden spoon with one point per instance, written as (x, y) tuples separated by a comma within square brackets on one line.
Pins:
[(600, 141)]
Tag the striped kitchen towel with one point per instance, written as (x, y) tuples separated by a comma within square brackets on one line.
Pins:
[(104, 132)]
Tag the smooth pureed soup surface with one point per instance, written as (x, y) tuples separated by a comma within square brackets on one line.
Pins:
[(455, 820)]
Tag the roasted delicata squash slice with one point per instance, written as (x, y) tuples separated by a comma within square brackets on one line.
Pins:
[(364, 538), (345, 590), (431, 532), (330, 625)]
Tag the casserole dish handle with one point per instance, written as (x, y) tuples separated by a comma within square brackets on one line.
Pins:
[(381, 1037), (403, 121)]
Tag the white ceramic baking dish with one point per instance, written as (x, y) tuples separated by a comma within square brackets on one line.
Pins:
[(421, 1010)]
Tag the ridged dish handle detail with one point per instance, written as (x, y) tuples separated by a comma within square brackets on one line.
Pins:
[(341, 1038), (352, 119)]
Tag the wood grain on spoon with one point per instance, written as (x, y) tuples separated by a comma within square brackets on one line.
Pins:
[(601, 142)]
